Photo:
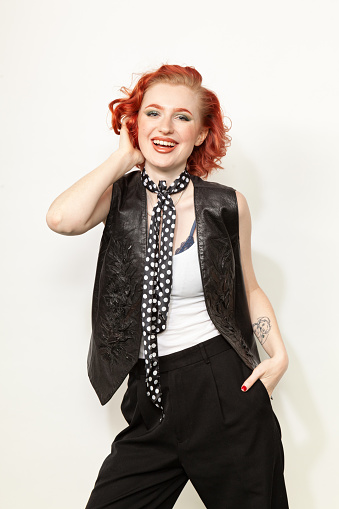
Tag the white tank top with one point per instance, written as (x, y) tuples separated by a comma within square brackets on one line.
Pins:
[(188, 322)]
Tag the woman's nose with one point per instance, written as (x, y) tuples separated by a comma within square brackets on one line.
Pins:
[(166, 125)]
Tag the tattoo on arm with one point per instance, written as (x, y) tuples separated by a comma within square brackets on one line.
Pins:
[(262, 328)]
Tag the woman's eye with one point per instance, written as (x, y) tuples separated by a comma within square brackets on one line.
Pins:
[(156, 113), (183, 117)]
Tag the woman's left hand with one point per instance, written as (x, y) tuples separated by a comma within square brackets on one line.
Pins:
[(270, 371)]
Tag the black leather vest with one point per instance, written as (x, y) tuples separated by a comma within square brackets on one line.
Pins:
[(116, 307)]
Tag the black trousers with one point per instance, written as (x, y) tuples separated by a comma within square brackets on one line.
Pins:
[(227, 442)]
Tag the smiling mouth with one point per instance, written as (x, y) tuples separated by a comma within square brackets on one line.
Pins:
[(164, 143), (163, 146)]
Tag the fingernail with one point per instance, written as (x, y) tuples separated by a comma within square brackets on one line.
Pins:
[(244, 388)]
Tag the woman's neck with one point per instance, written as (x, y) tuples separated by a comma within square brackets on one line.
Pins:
[(167, 174)]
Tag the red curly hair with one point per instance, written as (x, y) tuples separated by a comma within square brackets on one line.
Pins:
[(203, 158)]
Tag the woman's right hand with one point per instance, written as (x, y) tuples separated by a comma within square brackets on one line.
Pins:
[(87, 202), (126, 146)]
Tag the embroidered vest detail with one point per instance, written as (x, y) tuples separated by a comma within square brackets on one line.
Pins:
[(117, 294)]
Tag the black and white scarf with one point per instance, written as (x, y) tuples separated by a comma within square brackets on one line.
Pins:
[(158, 277)]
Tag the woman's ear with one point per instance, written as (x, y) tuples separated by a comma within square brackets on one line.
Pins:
[(202, 136)]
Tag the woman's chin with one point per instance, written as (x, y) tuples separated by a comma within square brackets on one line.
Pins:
[(164, 162)]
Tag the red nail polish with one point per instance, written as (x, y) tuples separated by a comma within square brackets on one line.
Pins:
[(244, 388)]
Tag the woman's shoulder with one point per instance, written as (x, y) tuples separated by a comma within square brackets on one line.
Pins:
[(210, 184), (217, 190), (131, 177), (242, 204)]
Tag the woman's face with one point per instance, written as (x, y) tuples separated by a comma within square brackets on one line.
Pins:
[(169, 126)]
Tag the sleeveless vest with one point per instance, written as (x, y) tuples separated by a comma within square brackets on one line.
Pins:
[(117, 294)]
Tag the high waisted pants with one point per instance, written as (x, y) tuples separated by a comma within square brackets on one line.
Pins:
[(227, 442)]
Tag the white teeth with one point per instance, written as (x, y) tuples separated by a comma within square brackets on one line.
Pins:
[(165, 143)]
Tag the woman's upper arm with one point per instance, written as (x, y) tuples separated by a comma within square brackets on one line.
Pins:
[(245, 230), (101, 210)]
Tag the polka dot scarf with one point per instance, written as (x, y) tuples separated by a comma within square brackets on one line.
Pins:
[(158, 277)]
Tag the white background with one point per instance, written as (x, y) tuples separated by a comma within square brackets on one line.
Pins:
[(274, 66)]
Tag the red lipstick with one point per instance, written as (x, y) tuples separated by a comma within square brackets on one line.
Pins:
[(163, 149)]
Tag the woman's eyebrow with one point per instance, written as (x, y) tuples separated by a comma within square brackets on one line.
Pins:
[(161, 108)]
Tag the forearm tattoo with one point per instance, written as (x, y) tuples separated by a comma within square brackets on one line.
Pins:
[(262, 328)]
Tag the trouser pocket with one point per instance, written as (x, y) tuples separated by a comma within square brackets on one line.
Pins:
[(229, 373), (260, 383)]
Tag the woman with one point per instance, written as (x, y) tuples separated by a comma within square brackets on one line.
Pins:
[(175, 305)]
